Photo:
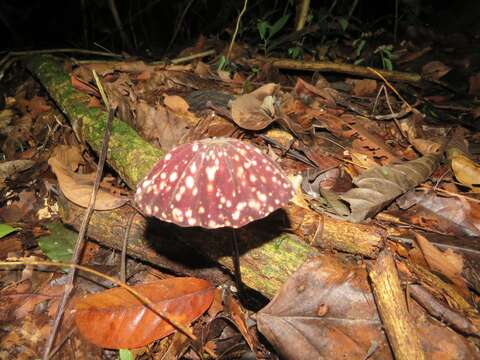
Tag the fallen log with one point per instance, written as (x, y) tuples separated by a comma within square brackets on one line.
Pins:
[(268, 257)]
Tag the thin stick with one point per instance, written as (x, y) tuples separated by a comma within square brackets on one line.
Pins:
[(235, 33), (83, 230), (123, 264), (144, 300)]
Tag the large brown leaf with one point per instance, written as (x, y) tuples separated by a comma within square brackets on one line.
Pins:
[(116, 319), (379, 186), (324, 311)]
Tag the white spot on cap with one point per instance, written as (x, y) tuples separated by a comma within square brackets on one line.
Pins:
[(236, 215), (191, 221), (173, 176), (211, 170), (262, 197), (168, 156), (189, 182)]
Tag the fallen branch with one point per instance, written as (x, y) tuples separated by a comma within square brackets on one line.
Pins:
[(327, 66)]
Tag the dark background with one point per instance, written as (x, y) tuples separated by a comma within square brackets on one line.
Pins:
[(150, 24)]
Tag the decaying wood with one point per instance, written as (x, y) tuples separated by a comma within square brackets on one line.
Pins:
[(392, 306), (268, 259), (327, 66), (327, 233)]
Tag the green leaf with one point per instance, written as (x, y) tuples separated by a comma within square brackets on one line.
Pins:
[(278, 25), (6, 229), (126, 354), (58, 246), (343, 23), (387, 63), (262, 27), (222, 63), (359, 44)]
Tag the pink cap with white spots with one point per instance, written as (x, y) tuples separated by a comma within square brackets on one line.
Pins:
[(214, 183)]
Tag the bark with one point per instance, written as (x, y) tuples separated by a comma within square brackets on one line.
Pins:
[(392, 306), (269, 253)]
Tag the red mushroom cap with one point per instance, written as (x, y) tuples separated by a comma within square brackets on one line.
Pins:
[(213, 183)]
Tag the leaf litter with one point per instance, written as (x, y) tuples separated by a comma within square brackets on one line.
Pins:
[(352, 161)]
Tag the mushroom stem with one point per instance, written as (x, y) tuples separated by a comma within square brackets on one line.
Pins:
[(236, 264)]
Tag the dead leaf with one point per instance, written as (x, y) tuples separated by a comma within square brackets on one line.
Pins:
[(78, 187), (466, 171), (379, 186), (247, 109), (116, 319), (176, 103), (463, 215), (435, 70), (363, 87), (446, 262), (325, 310)]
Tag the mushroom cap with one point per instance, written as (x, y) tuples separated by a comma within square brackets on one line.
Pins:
[(213, 183)]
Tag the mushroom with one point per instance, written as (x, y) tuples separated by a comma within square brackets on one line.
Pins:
[(214, 183)]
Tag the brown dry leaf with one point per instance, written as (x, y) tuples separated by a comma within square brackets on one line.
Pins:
[(83, 86), (466, 171), (450, 212), (252, 111), (446, 262), (379, 186), (78, 187), (176, 103), (70, 155), (325, 310), (363, 87), (435, 70), (160, 125), (239, 317), (116, 319)]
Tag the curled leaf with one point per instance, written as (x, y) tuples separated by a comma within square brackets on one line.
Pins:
[(379, 186), (251, 111)]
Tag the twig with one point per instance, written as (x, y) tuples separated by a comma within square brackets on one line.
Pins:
[(123, 264), (144, 300), (66, 50), (381, 76), (468, 198), (193, 56), (83, 228), (234, 36)]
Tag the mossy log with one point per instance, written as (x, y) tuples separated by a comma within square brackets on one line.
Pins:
[(268, 257)]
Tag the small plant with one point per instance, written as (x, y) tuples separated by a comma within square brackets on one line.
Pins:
[(386, 55), (223, 63), (268, 31), (295, 52)]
